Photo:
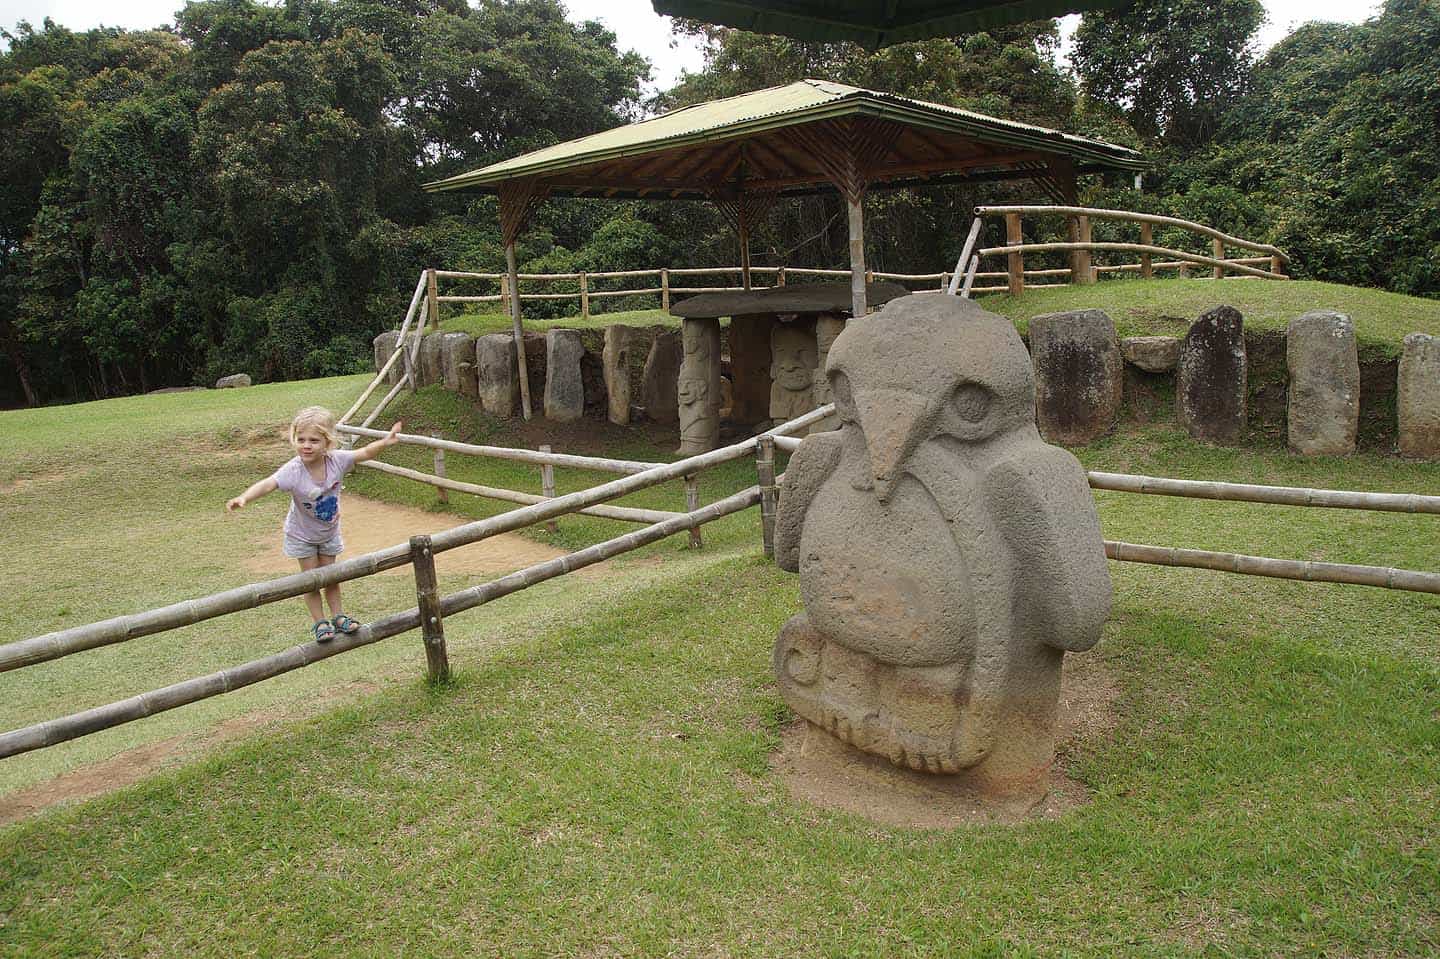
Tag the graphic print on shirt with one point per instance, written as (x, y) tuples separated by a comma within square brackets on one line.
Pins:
[(327, 506)]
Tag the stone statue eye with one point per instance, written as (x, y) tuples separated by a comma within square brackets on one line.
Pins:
[(971, 401), (840, 393)]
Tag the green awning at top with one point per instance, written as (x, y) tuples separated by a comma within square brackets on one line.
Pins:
[(872, 23), (699, 148)]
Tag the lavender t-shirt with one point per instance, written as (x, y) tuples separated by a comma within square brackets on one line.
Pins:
[(314, 515)]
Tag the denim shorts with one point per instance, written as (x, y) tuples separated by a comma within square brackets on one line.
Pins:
[(299, 549)]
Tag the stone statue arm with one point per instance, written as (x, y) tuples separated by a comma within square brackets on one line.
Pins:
[(809, 467), (1046, 513)]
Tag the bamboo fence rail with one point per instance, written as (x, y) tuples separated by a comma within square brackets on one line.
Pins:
[(573, 461), (1310, 572)]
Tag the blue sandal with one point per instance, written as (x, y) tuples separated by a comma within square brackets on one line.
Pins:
[(345, 624), (324, 632)]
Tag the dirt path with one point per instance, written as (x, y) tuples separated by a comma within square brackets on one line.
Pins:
[(369, 525)]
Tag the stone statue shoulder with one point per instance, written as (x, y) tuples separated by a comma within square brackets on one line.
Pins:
[(809, 467)]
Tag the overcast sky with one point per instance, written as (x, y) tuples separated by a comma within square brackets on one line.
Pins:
[(634, 22)]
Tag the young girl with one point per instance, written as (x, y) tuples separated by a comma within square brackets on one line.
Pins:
[(312, 527)]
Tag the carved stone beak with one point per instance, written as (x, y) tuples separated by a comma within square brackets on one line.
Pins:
[(893, 422)]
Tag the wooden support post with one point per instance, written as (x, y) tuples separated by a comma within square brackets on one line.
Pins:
[(432, 298), (584, 296), (1015, 261), (970, 277), (780, 276), (1085, 271), (505, 294), (1277, 266), (1184, 270), (519, 332), (961, 264), (427, 595), (765, 471), (1218, 246), (743, 224), (547, 486), (440, 492), (692, 503), (665, 290), (858, 296), (1147, 237)]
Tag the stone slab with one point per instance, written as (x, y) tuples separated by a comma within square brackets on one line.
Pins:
[(1153, 354), (1418, 400), (1079, 375), (1323, 394), (658, 383), (564, 385), (498, 379), (1211, 377), (457, 363)]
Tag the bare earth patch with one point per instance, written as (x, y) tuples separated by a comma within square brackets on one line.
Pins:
[(821, 770), (38, 479), (371, 524)]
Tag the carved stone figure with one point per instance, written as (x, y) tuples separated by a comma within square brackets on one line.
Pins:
[(792, 370), (948, 557), (698, 389)]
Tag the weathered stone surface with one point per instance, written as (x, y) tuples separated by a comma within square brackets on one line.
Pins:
[(232, 381), (1418, 402), (658, 383), (1210, 377), (1323, 362), (948, 557), (793, 362), (564, 387), (1153, 354), (498, 379), (698, 390), (827, 328), (620, 343), (432, 366), (1079, 375), (384, 345), (750, 368), (457, 363)]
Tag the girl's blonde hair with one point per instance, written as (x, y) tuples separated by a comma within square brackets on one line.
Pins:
[(318, 418)]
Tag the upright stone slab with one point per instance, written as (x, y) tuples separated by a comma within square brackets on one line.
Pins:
[(750, 368), (1323, 398), (564, 387), (431, 359), (827, 328), (498, 378), (1079, 375), (384, 346), (658, 384), (1210, 377), (457, 363), (793, 362), (948, 557), (1418, 402), (698, 390), (1153, 354), (620, 345)]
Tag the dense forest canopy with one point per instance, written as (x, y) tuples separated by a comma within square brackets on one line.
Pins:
[(242, 191)]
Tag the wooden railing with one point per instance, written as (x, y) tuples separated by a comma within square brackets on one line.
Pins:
[(1081, 247)]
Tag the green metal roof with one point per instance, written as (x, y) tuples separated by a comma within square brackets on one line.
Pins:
[(872, 23), (804, 101)]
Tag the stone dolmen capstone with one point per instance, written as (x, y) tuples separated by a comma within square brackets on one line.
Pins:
[(620, 345), (657, 384), (793, 360), (564, 386), (384, 345), (457, 363), (948, 557), (1079, 374), (1418, 385), (1153, 354), (1210, 377), (1323, 399), (698, 390), (498, 379), (431, 360)]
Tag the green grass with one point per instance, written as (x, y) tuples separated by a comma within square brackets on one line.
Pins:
[(597, 781), (478, 324), (1141, 307)]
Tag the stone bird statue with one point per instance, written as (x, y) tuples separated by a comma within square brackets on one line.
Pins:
[(948, 557)]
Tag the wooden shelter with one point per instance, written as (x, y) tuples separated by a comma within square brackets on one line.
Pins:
[(744, 152)]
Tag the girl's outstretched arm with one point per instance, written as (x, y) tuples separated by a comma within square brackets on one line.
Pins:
[(266, 485), (371, 450)]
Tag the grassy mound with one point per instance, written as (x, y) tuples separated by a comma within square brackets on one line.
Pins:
[(597, 781)]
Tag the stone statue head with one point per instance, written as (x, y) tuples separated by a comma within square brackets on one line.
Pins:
[(792, 357)]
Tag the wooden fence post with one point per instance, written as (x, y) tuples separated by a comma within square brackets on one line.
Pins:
[(584, 296), (1218, 247), (432, 298), (780, 276), (1147, 237), (1277, 266), (765, 471), (692, 503), (1083, 258), (427, 595), (547, 487), (1015, 261), (505, 294), (441, 493), (665, 290)]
